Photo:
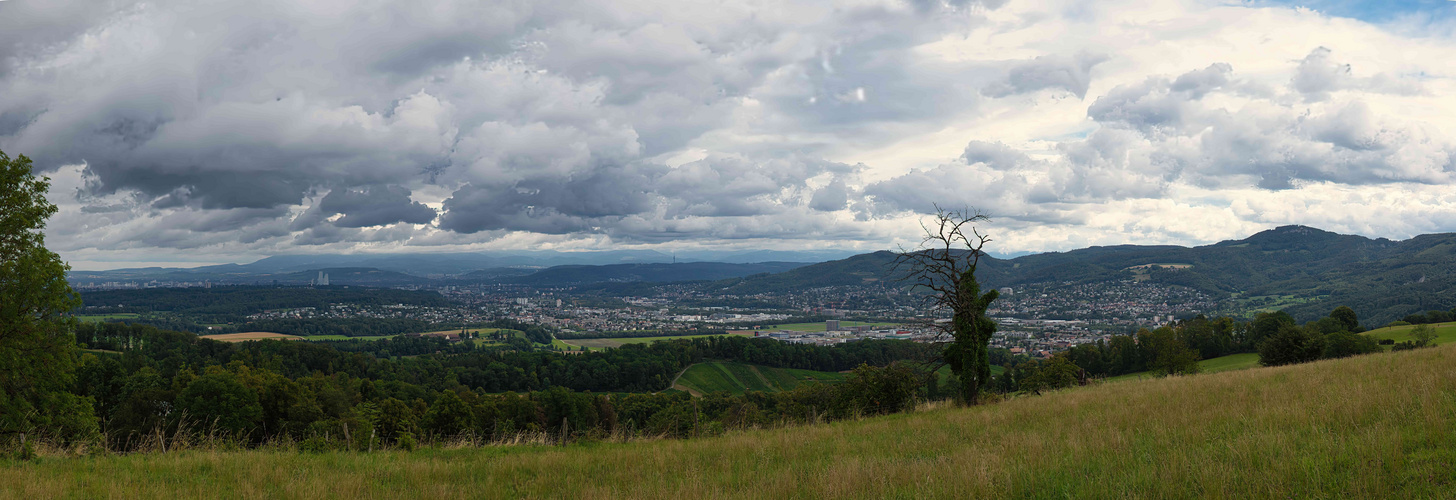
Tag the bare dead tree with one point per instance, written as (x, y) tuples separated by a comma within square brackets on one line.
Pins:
[(944, 266)]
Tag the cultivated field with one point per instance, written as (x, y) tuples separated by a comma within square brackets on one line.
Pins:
[(246, 336), (738, 378), (102, 318), (1376, 426)]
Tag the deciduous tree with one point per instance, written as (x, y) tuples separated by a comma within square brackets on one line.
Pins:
[(37, 342), (945, 266)]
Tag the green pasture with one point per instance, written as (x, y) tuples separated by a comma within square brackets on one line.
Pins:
[(1445, 333), (1231, 362), (101, 318)]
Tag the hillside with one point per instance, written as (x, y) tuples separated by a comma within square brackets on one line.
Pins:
[(737, 378), (1305, 270), (651, 273), (1355, 427)]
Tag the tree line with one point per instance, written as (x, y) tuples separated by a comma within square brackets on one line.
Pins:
[(148, 385)]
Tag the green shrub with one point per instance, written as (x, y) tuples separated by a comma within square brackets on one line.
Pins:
[(406, 441), (1291, 344), (1346, 344)]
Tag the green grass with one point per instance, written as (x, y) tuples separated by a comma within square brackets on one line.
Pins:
[(1348, 428), (1212, 365), (99, 318), (819, 327), (1445, 333), (738, 378)]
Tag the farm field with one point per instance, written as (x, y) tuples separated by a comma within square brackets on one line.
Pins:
[(738, 378), (101, 318), (1345, 428), (1212, 365), (246, 336)]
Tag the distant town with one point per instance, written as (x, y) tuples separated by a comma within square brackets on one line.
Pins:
[(1037, 320)]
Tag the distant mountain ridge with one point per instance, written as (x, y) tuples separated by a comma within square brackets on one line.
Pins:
[(1383, 280), (1306, 271)]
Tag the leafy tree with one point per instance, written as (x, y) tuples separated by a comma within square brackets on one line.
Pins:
[(1347, 318), (1266, 325), (1054, 373), (449, 416), (218, 400), (1167, 354), (37, 342), (1344, 344), (1423, 335), (949, 274), (1291, 344)]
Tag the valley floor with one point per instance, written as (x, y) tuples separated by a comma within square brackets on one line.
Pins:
[(1376, 426)]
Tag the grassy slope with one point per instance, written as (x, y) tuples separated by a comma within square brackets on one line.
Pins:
[(1445, 332), (1378, 426), (740, 377), (1212, 365)]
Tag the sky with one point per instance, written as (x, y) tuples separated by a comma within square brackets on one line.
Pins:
[(184, 133)]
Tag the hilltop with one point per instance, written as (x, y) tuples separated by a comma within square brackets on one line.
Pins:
[(1357, 427), (1304, 270)]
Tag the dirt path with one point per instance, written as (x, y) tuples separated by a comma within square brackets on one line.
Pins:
[(680, 387)]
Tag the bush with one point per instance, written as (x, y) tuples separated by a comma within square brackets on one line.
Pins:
[(1346, 344), (1291, 344), (1397, 323), (1387, 341), (315, 444), (406, 441)]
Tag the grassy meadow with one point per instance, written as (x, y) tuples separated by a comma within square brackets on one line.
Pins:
[(1445, 333), (1211, 365), (102, 318), (1376, 426)]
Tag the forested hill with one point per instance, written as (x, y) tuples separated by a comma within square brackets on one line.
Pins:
[(652, 273), (1383, 280)]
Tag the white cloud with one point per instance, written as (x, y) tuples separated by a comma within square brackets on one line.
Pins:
[(770, 124)]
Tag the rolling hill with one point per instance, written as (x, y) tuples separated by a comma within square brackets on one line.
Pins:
[(650, 273), (1383, 280)]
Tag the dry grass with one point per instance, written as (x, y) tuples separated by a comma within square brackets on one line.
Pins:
[(1378, 426), (245, 336)]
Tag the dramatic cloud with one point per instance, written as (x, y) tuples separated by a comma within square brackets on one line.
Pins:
[(248, 128)]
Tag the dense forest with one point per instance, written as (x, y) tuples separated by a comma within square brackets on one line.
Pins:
[(229, 302), (145, 382)]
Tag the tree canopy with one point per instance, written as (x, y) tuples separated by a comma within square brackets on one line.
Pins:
[(37, 346)]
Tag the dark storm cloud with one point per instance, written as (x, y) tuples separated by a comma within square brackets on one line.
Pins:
[(375, 205)]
